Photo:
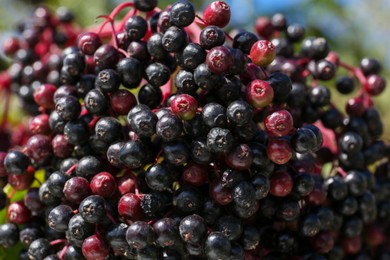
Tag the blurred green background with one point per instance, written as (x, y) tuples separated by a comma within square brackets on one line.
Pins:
[(354, 28)]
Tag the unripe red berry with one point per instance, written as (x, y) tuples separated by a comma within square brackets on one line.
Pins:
[(217, 13), (184, 106), (259, 93), (262, 53)]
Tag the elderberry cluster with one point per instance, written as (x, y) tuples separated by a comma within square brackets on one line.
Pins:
[(161, 136)]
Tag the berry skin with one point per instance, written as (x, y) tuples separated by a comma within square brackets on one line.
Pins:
[(44, 94), (376, 84), (217, 246), (9, 235), (264, 27), (76, 189), (211, 36), (184, 106), (95, 247), (279, 123), (219, 60), (262, 53), (122, 101), (195, 174), (92, 208), (129, 206), (39, 249), (59, 217), (240, 157), (174, 39), (145, 6), (40, 125), (136, 28), (89, 42), (217, 13), (68, 108), (259, 93), (182, 13), (281, 184), (140, 234), (219, 140), (103, 184), (193, 229), (16, 162)]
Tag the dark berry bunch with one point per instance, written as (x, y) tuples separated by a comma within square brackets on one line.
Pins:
[(163, 137)]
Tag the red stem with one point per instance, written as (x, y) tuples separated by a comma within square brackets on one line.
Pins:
[(341, 172), (346, 66), (68, 172), (158, 156), (115, 12), (136, 189), (57, 241), (63, 251), (93, 122), (111, 218)]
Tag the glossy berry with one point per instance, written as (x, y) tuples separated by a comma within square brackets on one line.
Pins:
[(16, 162), (259, 93), (140, 234), (211, 36), (39, 249), (174, 39), (145, 6), (103, 184), (157, 74), (217, 245), (38, 148), (106, 57), (158, 178), (370, 66), (95, 247), (92, 208), (375, 85), (219, 60), (214, 115), (304, 140), (182, 13), (240, 157), (9, 234), (136, 28), (219, 140), (129, 70), (281, 184), (59, 217), (43, 96), (184, 106), (107, 80), (303, 184), (169, 127), (40, 125), (279, 123), (89, 42), (193, 55), (122, 101), (129, 207), (76, 189), (217, 13), (345, 85), (262, 53)]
